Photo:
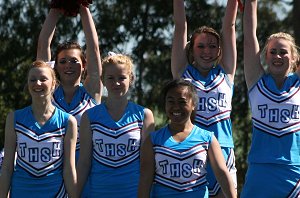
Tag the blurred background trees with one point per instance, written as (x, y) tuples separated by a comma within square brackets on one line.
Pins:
[(142, 29)]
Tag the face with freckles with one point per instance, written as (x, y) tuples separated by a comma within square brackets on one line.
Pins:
[(206, 51), (69, 66)]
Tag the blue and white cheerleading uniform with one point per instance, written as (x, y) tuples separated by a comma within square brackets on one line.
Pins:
[(40, 155), (115, 166), (180, 167), (81, 101), (274, 157), (213, 114)]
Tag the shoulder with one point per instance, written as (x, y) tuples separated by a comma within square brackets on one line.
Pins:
[(72, 120), (148, 112)]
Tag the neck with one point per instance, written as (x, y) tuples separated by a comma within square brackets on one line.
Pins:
[(279, 80), (116, 103), (69, 91), (42, 111), (185, 127)]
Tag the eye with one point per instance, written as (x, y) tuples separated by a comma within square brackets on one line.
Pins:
[(283, 52), (109, 77), (63, 61), (213, 46), (43, 79), (201, 46), (170, 101), (74, 61), (122, 78), (273, 52)]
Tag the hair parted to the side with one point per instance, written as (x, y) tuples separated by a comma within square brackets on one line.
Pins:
[(119, 59), (181, 83), (70, 45), (290, 39), (41, 64), (200, 30)]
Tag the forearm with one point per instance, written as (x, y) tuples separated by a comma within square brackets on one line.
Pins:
[(226, 184), (145, 184), (179, 14), (230, 15), (82, 176), (5, 180), (46, 35), (70, 181), (89, 28)]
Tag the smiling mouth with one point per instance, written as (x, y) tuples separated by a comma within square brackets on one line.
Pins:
[(176, 114), (38, 90), (277, 63)]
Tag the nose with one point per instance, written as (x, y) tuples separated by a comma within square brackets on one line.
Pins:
[(206, 49), (38, 82), (117, 82)]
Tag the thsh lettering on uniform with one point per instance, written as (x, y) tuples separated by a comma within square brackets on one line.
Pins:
[(212, 103), (44, 154), (185, 170), (279, 115), (111, 149)]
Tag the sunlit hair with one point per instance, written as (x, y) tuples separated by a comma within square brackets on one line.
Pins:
[(198, 31), (67, 46), (192, 92), (41, 64), (118, 59), (289, 38)]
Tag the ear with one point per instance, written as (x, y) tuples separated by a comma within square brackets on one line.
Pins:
[(131, 80)]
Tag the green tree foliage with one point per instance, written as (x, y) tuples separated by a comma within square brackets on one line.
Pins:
[(143, 29)]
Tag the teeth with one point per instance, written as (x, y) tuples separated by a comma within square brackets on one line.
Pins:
[(176, 114), (206, 58)]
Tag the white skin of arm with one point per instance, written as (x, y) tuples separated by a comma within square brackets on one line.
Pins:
[(9, 157), (46, 35), (252, 68), (147, 169), (178, 57), (146, 152), (148, 124), (228, 36), (92, 83), (85, 154), (217, 161), (69, 169)]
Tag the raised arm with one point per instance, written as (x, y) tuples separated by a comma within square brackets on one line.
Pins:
[(70, 177), (92, 82), (85, 155), (252, 67), (217, 162), (46, 35), (178, 57), (229, 57), (9, 157)]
